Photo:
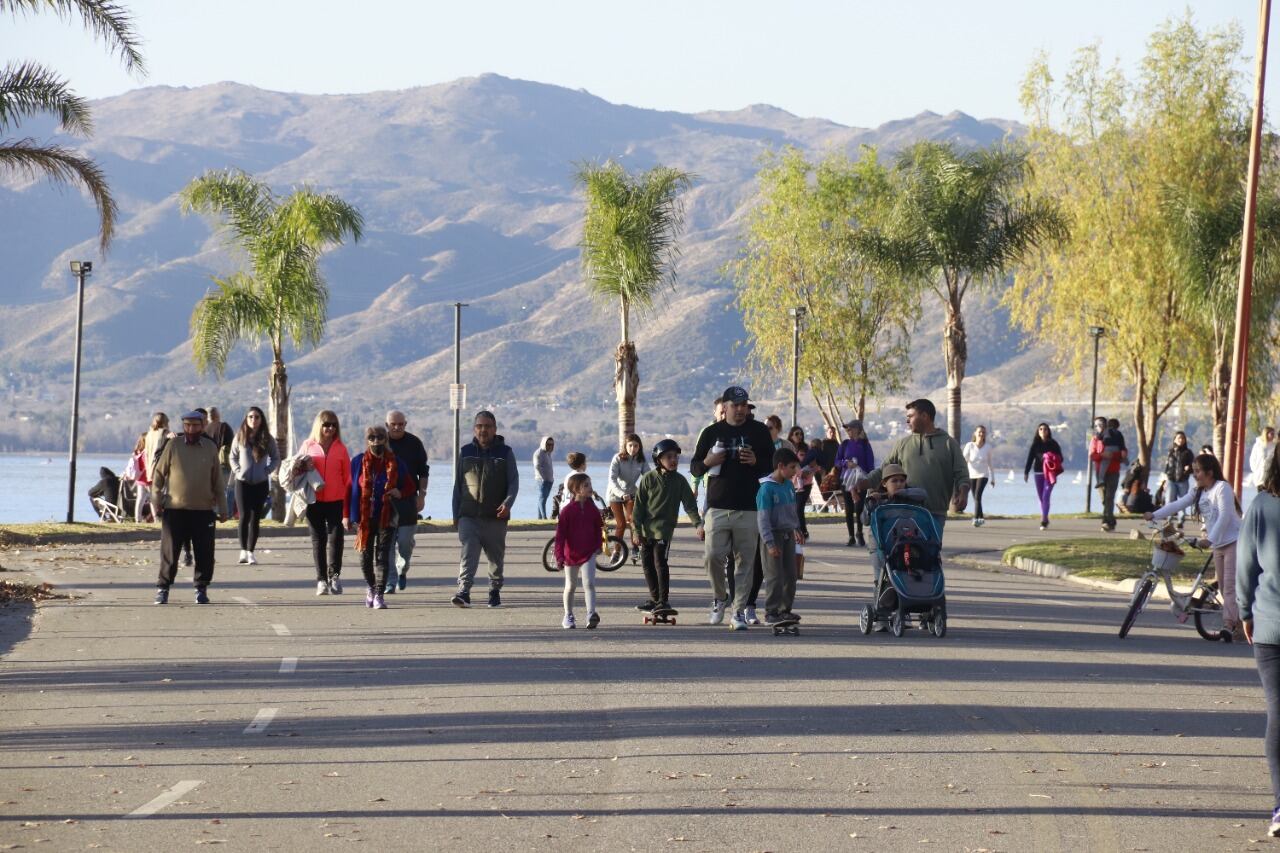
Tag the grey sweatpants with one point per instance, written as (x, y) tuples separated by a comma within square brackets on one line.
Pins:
[(731, 531), (481, 534), (780, 573)]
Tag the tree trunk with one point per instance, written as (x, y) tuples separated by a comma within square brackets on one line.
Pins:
[(279, 416), (1219, 389), (955, 352), (626, 380)]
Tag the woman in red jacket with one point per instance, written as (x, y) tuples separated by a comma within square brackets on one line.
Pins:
[(330, 513)]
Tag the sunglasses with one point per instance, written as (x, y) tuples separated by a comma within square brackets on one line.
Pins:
[(376, 440), (394, 425), (329, 425)]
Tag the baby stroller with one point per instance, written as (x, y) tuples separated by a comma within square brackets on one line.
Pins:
[(906, 558)]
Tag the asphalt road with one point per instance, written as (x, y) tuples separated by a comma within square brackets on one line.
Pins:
[(277, 720)]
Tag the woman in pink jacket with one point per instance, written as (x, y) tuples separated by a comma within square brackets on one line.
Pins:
[(328, 516)]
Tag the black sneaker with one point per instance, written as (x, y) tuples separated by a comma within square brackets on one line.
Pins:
[(771, 618), (593, 620), (202, 597), (647, 607), (162, 595), (853, 540), (862, 542), (461, 599), (495, 597)]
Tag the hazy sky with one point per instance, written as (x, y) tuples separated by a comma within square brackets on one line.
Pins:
[(856, 62)]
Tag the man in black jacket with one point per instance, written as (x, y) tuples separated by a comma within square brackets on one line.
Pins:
[(484, 490), (733, 455), (408, 449)]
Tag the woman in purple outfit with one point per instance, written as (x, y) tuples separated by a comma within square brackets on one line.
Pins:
[(1043, 443), (855, 451)]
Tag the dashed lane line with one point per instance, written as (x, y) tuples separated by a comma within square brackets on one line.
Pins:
[(281, 630), (289, 665), (167, 798), (261, 721), (244, 601)]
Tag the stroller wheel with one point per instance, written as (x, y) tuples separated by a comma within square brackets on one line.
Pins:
[(897, 622), (867, 620), (940, 621)]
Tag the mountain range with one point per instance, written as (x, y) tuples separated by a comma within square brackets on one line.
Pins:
[(468, 196)]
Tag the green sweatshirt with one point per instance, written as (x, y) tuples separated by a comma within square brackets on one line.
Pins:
[(659, 495), (933, 462)]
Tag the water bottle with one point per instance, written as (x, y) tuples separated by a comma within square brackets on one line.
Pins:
[(718, 447)]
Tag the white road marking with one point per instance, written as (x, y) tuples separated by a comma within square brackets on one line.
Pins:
[(168, 797), (281, 630), (261, 721), (245, 601), (288, 664)]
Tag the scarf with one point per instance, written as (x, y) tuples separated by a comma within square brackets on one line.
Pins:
[(368, 474)]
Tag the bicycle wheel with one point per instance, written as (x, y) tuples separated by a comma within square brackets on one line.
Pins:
[(549, 556), (1208, 616), (1139, 600), (616, 555)]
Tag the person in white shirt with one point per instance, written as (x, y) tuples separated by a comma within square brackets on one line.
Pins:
[(1264, 446), (977, 454), (1218, 506)]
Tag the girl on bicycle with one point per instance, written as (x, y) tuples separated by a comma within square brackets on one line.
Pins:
[(1220, 510), (624, 474), (579, 531)]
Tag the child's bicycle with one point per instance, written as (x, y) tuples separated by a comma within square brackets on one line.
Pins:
[(613, 551), (1203, 603)]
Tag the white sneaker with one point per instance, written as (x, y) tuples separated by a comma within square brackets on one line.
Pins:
[(750, 614), (738, 623), (322, 587), (250, 559), (335, 585), (717, 613), (244, 557), (568, 621)]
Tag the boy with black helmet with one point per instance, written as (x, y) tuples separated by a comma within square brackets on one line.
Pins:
[(659, 496)]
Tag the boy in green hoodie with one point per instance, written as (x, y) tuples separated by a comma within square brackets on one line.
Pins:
[(659, 496)]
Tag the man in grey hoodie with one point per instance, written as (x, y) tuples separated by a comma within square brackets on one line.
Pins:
[(544, 472)]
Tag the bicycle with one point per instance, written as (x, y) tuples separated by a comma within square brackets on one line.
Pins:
[(613, 550), (1203, 603)]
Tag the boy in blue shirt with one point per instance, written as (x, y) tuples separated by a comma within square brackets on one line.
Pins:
[(778, 518)]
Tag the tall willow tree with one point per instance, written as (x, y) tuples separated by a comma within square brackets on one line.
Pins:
[(629, 253), (800, 250), (281, 296), (28, 88), (1150, 171)]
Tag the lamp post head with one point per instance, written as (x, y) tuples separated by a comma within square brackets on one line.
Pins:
[(798, 312), (1097, 331), (82, 267)]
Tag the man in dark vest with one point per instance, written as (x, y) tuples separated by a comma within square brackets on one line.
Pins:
[(484, 490)]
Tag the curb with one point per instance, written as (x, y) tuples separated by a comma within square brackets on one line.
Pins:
[(1052, 570)]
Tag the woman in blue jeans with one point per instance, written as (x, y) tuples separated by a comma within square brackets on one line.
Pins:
[(1258, 596)]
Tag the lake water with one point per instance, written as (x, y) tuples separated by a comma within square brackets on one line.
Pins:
[(34, 488)]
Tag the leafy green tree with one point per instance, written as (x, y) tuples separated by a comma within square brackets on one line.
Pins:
[(28, 88), (1150, 171), (800, 250), (629, 253), (964, 219), (281, 294)]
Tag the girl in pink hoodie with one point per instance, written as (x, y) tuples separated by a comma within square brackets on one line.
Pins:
[(579, 532)]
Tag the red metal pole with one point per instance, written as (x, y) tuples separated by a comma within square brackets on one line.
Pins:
[(1237, 398)]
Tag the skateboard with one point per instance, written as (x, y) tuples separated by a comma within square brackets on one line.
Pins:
[(661, 617), (786, 626)]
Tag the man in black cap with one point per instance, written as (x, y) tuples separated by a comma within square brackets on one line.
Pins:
[(733, 454), (187, 493)]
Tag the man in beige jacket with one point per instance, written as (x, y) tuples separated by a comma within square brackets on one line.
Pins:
[(187, 493)]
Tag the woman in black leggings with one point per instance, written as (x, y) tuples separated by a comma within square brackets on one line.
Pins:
[(253, 457)]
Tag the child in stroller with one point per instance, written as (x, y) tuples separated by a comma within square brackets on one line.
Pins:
[(906, 559)]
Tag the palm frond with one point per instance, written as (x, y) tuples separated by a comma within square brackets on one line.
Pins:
[(64, 166), (318, 220), (29, 88), (245, 203), (107, 21), (224, 317)]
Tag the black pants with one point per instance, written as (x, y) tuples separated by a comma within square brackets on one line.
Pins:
[(657, 572), (325, 520), (250, 498), (852, 514), (1107, 492), (977, 485), (1267, 657), (191, 528), (802, 498), (373, 559), (757, 578)]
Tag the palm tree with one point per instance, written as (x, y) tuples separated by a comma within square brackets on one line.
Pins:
[(28, 88), (961, 219), (282, 293), (629, 253)]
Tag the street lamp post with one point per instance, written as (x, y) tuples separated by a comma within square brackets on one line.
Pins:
[(1096, 332), (797, 314), (458, 391), (81, 270)]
